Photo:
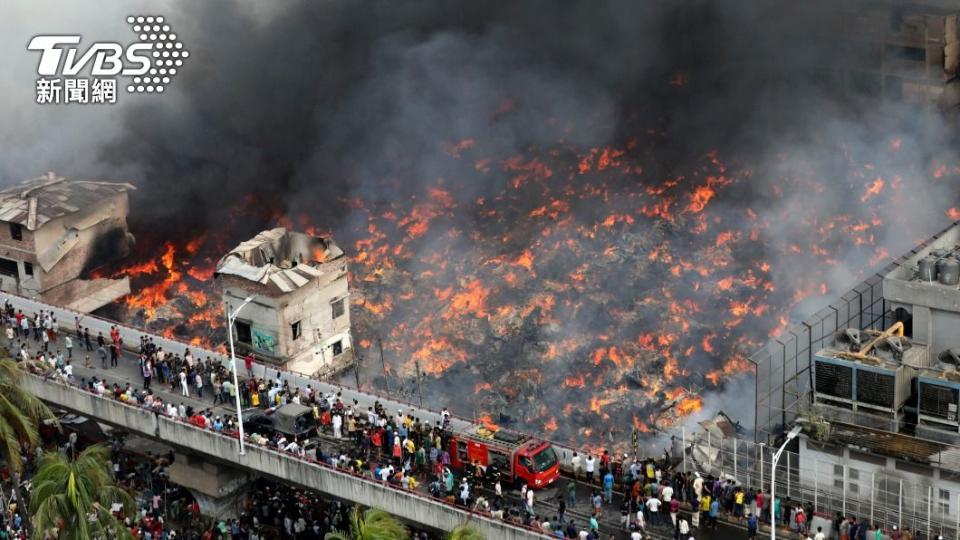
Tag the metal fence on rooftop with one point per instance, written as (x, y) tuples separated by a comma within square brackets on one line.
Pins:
[(879, 495)]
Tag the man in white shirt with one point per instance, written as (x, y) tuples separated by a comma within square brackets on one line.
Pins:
[(819, 535), (666, 494), (653, 505), (590, 462)]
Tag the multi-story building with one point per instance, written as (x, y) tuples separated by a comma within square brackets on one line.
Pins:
[(299, 317), (875, 379), (54, 230)]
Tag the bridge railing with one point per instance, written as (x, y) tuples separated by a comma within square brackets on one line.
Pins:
[(131, 339), (153, 423)]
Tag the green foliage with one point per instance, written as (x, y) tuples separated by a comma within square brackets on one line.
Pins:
[(373, 524), (20, 414), (465, 532), (72, 499), (815, 426)]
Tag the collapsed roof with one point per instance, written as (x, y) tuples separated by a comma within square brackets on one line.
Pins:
[(35, 202), (284, 259)]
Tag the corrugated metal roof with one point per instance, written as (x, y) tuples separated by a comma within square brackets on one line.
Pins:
[(279, 258), (35, 202), (898, 445)]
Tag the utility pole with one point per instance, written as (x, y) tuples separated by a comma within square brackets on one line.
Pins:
[(357, 357), (419, 393), (386, 380)]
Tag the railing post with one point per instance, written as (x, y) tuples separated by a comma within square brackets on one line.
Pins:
[(736, 476), (761, 470), (872, 480), (900, 505), (816, 474), (843, 490), (683, 447), (788, 475), (957, 523)]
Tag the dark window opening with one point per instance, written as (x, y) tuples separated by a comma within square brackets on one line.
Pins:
[(243, 332), (295, 330), (16, 231), (338, 308), (28, 268), (9, 268), (337, 348)]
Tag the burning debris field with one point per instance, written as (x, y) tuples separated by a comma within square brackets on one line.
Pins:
[(592, 296), (576, 222)]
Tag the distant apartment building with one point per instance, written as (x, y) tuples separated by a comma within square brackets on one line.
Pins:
[(53, 230), (299, 318)]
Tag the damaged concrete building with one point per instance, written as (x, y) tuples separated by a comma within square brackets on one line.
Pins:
[(54, 230), (299, 318)]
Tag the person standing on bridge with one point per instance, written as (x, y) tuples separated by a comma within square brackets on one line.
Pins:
[(590, 465), (248, 363), (608, 487), (184, 388), (102, 353), (68, 343), (146, 369), (337, 422)]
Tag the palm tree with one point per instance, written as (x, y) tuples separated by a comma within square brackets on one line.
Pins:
[(465, 532), (73, 498), (20, 414), (374, 524)]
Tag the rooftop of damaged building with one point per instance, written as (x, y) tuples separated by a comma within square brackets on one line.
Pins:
[(33, 203), (280, 259)]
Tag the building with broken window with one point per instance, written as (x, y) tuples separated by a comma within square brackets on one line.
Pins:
[(54, 230), (299, 318)]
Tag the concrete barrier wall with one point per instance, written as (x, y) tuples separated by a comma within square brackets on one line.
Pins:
[(105, 410), (415, 507)]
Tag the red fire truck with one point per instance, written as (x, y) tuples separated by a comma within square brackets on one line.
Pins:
[(518, 458)]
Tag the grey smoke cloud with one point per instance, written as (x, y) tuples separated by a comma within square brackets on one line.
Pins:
[(302, 104)]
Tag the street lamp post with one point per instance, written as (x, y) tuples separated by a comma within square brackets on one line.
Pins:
[(231, 317), (773, 479)]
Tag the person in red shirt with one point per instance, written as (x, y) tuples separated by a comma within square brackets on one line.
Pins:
[(248, 363)]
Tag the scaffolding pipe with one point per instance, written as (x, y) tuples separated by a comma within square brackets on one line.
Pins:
[(900, 506), (872, 480)]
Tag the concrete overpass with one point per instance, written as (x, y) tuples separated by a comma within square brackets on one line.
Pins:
[(222, 449)]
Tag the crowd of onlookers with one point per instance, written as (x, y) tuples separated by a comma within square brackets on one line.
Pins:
[(407, 452)]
